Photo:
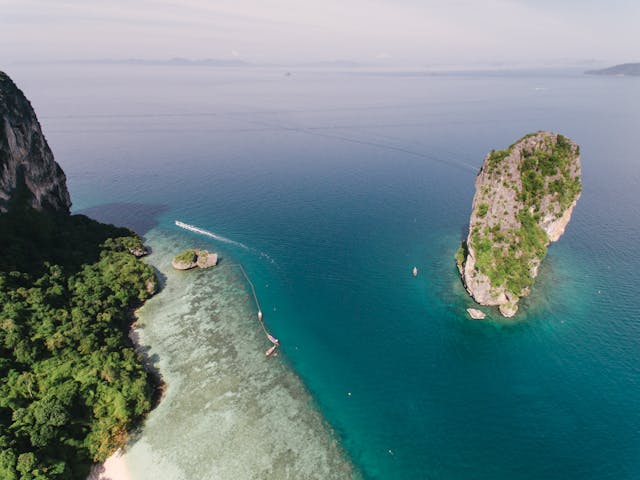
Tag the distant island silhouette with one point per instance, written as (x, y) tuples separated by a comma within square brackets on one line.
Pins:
[(624, 69)]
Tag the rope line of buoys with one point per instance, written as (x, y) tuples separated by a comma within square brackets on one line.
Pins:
[(271, 338), (220, 238)]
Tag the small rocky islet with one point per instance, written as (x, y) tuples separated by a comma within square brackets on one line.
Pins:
[(192, 258), (524, 198)]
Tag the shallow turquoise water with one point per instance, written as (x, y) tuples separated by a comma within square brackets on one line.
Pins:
[(338, 184), (228, 411)]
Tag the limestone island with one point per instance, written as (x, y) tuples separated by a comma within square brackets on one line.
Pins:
[(194, 258), (523, 201)]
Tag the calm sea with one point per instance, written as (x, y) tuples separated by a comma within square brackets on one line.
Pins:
[(335, 185)]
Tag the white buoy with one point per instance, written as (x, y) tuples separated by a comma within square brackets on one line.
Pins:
[(415, 271), (260, 315)]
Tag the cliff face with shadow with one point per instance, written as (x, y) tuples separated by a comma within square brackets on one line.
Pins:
[(72, 385), (524, 198), (28, 172)]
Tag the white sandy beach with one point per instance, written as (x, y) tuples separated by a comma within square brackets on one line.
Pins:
[(114, 468)]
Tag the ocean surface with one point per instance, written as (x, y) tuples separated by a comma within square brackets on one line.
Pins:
[(329, 187)]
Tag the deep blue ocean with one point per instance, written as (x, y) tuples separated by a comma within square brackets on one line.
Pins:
[(339, 183)]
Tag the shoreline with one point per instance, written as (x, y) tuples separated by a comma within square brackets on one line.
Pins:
[(159, 385), (245, 402), (113, 468)]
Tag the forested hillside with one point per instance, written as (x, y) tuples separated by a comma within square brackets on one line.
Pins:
[(71, 384)]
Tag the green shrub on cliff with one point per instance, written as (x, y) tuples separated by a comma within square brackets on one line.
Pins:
[(483, 208), (461, 254), (187, 256), (71, 384), (496, 157), (549, 171)]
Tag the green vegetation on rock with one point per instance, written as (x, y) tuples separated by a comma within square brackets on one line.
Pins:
[(507, 260), (187, 256), (71, 383), (483, 208), (527, 187), (461, 254), (496, 157), (548, 171)]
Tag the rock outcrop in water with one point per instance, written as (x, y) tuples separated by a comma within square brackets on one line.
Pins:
[(27, 167), (194, 258), (524, 199), (476, 314)]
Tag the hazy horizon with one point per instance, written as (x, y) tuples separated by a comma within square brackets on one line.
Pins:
[(378, 32)]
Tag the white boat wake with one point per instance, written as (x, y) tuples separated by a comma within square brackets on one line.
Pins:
[(220, 238), (215, 236)]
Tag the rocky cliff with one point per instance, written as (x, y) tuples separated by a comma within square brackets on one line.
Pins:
[(524, 199), (27, 167)]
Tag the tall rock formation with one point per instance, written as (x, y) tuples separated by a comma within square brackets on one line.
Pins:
[(27, 167), (524, 199)]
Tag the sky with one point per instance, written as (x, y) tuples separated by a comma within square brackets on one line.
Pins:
[(385, 32)]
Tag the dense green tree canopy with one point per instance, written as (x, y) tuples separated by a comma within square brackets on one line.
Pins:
[(71, 384)]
